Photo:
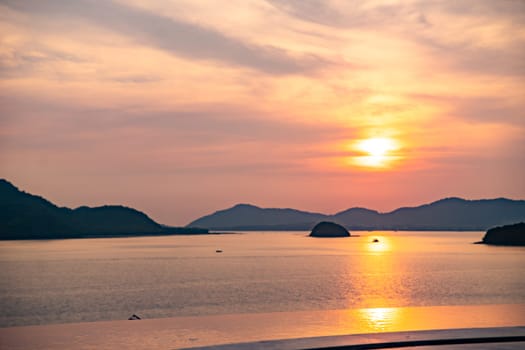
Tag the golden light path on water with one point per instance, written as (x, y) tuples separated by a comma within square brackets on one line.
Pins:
[(380, 285)]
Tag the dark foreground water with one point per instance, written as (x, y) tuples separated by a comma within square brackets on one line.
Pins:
[(61, 281)]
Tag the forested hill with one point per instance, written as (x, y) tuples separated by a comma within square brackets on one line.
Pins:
[(26, 216)]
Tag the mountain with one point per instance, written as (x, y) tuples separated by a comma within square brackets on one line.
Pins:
[(449, 214), (459, 214), (26, 216), (358, 216), (246, 216)]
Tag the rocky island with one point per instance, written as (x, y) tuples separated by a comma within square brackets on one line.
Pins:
[(329, 229), (506, 235)]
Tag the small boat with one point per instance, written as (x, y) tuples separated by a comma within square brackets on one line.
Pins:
[(375, 240), (218, 251)]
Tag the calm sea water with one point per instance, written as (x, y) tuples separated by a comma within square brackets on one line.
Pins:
[(60, 281)]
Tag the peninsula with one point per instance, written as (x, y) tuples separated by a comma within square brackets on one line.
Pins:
[(26, 216)]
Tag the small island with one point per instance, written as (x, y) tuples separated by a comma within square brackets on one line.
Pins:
[(513, 235), (329, 229)]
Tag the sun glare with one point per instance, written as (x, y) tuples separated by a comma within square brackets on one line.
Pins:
[(376, 152), (377, 147), (380, 319), (378, 245)]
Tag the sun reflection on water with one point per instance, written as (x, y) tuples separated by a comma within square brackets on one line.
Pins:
[(378, 245), (379, 319), (379, 285)]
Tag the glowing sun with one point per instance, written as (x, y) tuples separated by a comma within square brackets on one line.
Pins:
[(377, 152)]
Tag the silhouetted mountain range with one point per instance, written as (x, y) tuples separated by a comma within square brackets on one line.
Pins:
[(25, 216), (449, 214)]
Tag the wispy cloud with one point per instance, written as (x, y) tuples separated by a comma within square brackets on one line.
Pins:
[(352, 14), (455, 32), (479, 109), (171, 35), (15, 63), (198, 127)]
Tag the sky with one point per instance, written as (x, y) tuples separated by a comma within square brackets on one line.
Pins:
[(181, 108)]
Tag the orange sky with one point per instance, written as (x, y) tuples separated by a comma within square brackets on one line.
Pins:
[(181, 108)]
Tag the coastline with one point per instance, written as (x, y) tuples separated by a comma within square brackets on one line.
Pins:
[(209, 233), (116, 235)]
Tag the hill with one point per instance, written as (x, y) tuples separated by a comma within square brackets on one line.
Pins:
[(26, 216), (449, 214), (252, 217)]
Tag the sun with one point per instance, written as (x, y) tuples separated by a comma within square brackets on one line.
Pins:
[(376, 152), (377, 146)]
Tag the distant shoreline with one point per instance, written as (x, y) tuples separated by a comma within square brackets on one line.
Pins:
[(234, 231), (350, 228), (218, 232), (114, 235)]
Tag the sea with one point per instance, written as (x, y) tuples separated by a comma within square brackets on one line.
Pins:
[(83, 280)]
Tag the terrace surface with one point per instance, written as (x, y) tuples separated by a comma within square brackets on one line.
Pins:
[(285, 330)]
